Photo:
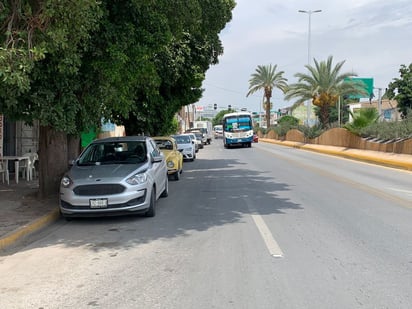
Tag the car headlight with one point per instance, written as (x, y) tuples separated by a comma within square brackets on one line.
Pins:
[(170, 164), (66, 181), (137, 179)]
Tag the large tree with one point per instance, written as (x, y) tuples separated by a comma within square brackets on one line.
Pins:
[(266, 78), (74, 63), (323, 85), (400, 89), (42, 47)]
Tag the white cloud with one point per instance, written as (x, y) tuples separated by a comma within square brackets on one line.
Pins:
[(372, 36)]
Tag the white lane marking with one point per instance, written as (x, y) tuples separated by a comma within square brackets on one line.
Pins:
[(267, 236)]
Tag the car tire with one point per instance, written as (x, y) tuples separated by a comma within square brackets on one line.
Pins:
[(177, 175), (151, 212), (165, 192)]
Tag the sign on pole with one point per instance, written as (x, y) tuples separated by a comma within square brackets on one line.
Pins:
[(368, 87)]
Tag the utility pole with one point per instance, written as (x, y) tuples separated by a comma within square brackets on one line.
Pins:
[(309, 103), (379, 102)]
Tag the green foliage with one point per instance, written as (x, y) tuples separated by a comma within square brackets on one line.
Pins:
[(312, 131), (266, 78), (285, 124), (281, 130), (390, 130), (288, 120), (364, 118), (219, 116), (323, 85), (51, 37), (403, 88), (132, 62)]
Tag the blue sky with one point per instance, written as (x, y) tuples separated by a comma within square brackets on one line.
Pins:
[(373, 37)]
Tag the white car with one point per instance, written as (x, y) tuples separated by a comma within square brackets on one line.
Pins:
[(186, 146), (197, 142), (116, 175)]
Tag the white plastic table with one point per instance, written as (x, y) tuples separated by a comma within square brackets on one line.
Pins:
[(17, 160)]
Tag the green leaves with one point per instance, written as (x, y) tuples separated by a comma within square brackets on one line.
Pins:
[(323, 84), (400, 89), (74, 62)]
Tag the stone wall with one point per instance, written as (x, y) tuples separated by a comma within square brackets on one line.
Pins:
[(343, 138)]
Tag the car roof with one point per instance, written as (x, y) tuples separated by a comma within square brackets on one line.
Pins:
[(163, 137), (121, 139)]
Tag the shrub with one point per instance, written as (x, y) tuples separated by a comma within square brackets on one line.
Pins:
[(311, 132), (288, 120), (389, 130), (361, 120)]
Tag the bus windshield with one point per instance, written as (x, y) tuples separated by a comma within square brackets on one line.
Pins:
[(237, 123)]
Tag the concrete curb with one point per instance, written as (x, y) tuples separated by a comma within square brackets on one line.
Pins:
[(401, 161), (31, 227)]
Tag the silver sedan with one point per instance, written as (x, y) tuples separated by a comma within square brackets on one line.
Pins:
[(118, 175)]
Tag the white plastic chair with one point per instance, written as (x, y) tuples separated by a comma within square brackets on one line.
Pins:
[(30, 165), (4, 171)]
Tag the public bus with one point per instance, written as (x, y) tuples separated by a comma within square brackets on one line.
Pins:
[(237, 129)]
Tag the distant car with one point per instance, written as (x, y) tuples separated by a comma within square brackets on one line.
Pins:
[(186, 146), (218, 131), (197, 142), (174, 158), (199, 135), (255, 138), (116, 175)]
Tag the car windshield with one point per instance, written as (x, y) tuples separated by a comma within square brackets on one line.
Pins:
[(182, 139), (130, 152)]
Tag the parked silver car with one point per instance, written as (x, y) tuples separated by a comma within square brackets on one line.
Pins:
[(117, 175)]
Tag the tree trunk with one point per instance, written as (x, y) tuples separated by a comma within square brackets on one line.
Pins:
[(324, 115), (52, 160), (73, 147), (268, 112)]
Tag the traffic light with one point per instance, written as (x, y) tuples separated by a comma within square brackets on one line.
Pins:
[(215, 106), (229, 106)]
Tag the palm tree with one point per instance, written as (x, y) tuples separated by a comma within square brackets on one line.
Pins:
[(323, 85), (266, 78)]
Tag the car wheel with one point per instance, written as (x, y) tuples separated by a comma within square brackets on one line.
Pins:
[(151, 212), (165, 192), (177, 175)]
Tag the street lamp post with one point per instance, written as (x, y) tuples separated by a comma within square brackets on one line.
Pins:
[(309, 105)]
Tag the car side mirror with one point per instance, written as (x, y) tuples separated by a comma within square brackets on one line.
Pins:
[(156, 158)]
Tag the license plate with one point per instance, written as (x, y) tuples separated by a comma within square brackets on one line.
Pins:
[(239, 140), (98, 203)]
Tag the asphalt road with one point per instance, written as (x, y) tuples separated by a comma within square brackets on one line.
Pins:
[(260, 227)]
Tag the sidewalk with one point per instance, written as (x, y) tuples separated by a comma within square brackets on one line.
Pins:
[(22, 213)]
